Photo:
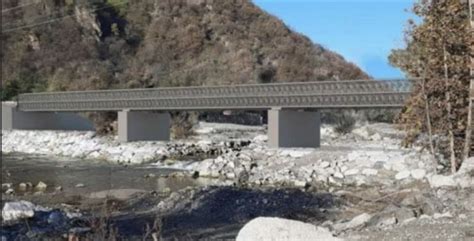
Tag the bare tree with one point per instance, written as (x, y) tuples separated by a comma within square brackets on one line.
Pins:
[(467, 142)]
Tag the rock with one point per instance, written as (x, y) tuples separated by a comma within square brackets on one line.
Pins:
[(149, 175), (6, 186), (413, 200), (22, 187), (437, 181), (325, 164), (268, 229), (418, 173), (407, 221), (41, 186), (403, 214), (389, 221), (403, 175), (298, 183), (13, 211), (351, 172), (444, 215), (467, 166), (339, 175), (177, 175), (362, 132), (80, 185), (465, 175), (370, 172), (424, 216), (56, 218), (357, 222), (376, 137)]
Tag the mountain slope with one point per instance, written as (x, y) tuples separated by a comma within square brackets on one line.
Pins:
[(117, 44)]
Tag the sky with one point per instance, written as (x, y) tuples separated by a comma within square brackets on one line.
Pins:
[(363, 31)]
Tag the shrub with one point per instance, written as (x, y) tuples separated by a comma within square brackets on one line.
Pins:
[(183, 124), (345, 123)]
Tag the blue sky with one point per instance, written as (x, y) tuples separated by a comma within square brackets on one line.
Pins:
[(363, 31)]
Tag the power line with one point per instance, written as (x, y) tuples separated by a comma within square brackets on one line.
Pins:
[(59, 18), (20, 6)]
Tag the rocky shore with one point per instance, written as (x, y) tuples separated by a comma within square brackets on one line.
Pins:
[(369, 155), (357, 186)]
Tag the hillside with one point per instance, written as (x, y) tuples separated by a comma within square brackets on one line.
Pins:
[(115, 44)]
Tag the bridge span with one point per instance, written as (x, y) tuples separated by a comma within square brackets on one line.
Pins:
[(293, 117)]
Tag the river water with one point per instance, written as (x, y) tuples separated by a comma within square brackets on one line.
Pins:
[(77, 176), (212, 211)]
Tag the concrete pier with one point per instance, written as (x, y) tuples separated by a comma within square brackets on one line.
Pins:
[(12, 119), (292, 128), (143, 126)]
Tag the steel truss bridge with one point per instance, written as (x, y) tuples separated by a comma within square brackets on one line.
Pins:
[(296, 95)]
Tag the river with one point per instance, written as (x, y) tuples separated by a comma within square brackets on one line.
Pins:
[(200, 209)]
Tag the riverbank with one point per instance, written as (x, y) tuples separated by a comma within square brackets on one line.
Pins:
[(370, 155), (357, 186)]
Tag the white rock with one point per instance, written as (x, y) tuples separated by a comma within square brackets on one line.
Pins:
[(325, 164), (356, 222), (295, 153), (7, 185), (298, 183), (260, 138), (10, 191), (41, 186), (369, 172), (467, 166), (376, 137), (339, 175), (403, 175), (362, 132), (444, 215), (409, 220), (17, 210), (351, 172), (278, 229), (437, 181), (418, 173), (424, 216), (388, 222), (230, 175)]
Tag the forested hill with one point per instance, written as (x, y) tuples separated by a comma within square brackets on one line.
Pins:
[(101, 44)]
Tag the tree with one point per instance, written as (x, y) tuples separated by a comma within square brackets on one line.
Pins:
[(438, 50)]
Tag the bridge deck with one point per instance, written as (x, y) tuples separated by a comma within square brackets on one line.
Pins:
[(326, 94)]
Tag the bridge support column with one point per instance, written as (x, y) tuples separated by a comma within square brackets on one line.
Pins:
[(12, 119), (292, 128), (143, 126)]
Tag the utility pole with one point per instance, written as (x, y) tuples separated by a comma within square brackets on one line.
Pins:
[(468, 141)]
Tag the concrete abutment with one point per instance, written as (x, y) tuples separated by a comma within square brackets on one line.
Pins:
[(12, 118)]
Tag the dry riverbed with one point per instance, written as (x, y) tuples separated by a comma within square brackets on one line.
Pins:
[(358, 186)]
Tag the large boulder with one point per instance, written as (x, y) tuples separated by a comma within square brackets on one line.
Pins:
[(440, 181), (13, 211), (266, 228)]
